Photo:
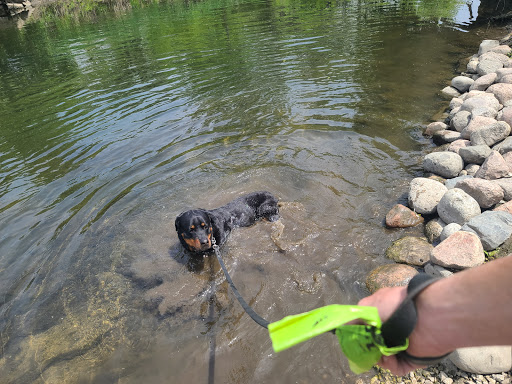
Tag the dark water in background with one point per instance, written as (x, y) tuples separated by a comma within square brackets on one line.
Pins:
[(110, 128)]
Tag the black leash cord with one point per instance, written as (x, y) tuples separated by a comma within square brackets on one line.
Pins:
[(247, 308)]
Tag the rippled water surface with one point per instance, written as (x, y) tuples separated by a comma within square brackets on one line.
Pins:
[(110, 128)]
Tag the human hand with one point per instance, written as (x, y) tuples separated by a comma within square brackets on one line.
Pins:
[(387, 301)]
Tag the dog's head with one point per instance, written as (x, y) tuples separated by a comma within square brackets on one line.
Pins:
[(194, 230)]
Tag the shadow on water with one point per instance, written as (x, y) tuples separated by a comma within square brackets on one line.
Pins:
[(113, 126)]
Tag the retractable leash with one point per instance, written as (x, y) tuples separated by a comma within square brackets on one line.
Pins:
[(362, 344)]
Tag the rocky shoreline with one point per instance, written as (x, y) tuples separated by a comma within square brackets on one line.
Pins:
[(465, 198)]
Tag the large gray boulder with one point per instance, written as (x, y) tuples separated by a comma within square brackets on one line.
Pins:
[(488, 64), (456, 206), (446, 164), (493, 228)]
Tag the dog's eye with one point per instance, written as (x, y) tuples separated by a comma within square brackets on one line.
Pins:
[(192, 227), (202, 225)]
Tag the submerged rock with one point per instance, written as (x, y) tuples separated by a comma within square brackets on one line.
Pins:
[(401, 217), (390, 275), (410, 250)]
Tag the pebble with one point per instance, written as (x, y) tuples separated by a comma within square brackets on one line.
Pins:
[(440, 374)]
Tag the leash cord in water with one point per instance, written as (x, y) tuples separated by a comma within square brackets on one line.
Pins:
[(247, 308)]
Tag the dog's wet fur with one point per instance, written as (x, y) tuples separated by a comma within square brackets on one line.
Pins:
[(196, 227)]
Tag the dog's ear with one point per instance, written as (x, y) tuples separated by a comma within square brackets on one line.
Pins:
[(177, 221)]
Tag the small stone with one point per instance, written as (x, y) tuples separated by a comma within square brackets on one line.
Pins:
[(435, 127), (449, 230), (433, 229), (450, 92), (447, 136), (457, 145), (462, 83)]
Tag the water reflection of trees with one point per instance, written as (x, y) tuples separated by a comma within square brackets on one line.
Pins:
[(240, 63)]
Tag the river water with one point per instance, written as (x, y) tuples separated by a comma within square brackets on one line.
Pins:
[(111, 127)]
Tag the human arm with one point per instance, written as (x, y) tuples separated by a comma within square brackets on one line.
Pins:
[(471, 308)]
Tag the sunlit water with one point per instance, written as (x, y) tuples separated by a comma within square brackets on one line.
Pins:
[(112, 127)]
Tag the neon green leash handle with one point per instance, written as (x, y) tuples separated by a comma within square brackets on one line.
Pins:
[(362, 344)]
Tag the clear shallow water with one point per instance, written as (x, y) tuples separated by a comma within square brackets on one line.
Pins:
[(111, 128)]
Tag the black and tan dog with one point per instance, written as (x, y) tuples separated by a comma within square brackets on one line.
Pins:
[(196, 227)]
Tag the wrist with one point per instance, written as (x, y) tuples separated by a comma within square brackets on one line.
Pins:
[(434, 333)]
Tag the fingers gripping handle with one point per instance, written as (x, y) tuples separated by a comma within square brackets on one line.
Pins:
[(402, 322)]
